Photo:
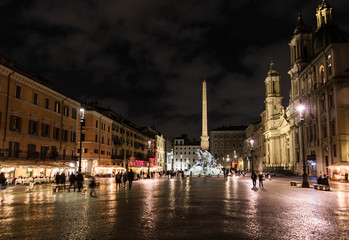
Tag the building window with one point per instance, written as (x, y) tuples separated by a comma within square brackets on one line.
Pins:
[(16, 124), (73, 113), (66, 111), (83, 137), (102, 152), (45, 130), (334, 150), (96, 151), (96, 123), (54, 152), (13, 149), (96, 138), (33, 127), (35, 98), (31, 151), (65, 135), (47, 103), (322, 76), (44, 154), (333, 128), (72, 136), (57, 107), (102, 140), (18, 92), (329, 67), (55, 133)]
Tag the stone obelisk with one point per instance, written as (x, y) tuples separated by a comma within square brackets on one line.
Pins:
[(204, 137)]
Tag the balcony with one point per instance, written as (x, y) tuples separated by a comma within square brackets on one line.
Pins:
[(20, 155), (119, 157)]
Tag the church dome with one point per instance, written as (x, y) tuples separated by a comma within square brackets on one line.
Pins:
[(327, 35)]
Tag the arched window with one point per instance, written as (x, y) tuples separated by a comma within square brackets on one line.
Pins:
[(322, 77)]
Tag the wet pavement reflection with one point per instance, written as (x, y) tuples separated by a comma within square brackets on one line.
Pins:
[(192, 208)]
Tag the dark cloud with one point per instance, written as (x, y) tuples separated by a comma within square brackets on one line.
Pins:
[(147, 59)]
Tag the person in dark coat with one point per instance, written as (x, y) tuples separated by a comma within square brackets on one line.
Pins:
[(92, 186), (63, 178), (2, 186), (72, 180), (130, 177), (79, 181), (124, 178), (254, 179), (325, 180), (319, 180), (58, 178), (118, 180)]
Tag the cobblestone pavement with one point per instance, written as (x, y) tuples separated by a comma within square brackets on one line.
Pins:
[(196, 208)]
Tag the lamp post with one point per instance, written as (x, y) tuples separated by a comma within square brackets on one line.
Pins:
[(252, 150), (181, 161), (301, 109), (82, 121), (149, 154)]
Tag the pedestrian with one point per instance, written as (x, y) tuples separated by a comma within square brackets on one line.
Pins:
[(260, 176), (63, 178), (118, 180), (325, 180), (346, 177), (182, 174), (92, 186), (124, 179), (130, 177), (72, 181), (2, 186), (319, 180), (254, 178), (31, 185), (79, 181), (58, 178)]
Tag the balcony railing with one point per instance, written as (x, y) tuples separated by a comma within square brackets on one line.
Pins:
[(20, 155)]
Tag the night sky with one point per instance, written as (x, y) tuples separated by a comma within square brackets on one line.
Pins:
[(146, 59)]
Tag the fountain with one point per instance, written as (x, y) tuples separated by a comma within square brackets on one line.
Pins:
[(205, 165)]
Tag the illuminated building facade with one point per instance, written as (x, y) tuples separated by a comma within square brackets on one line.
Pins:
[(319, 80), (111, 143), (38, 125), (184, 153), (226, 145)]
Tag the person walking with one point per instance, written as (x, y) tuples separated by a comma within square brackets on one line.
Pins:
[(2, 186), (130, 177), (92, 186), (118, 180), (79, 181), (260, 176), (254, 178), (63, 179), (72, 181), (58, 178), (124, 179)]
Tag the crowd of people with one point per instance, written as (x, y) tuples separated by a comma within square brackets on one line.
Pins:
[(123, 178)]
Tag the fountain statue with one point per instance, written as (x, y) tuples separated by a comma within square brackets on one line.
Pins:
[(205, 165)]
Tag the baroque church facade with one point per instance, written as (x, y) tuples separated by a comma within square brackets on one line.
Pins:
[(319, 76)]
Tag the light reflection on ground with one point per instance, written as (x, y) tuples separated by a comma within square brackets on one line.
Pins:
[(196, 208)]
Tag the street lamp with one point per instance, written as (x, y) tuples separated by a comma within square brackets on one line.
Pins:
[(181, 161), (252, 150), (149, 154), (82, 122), (301, 109)]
